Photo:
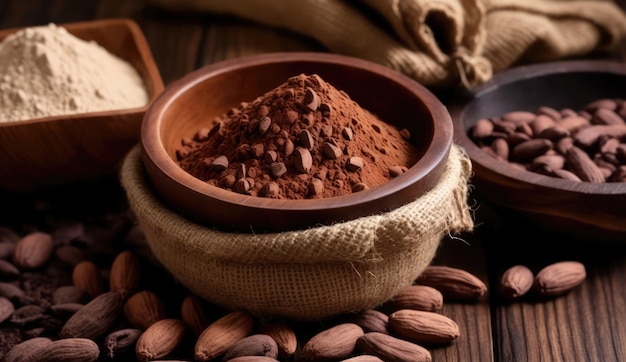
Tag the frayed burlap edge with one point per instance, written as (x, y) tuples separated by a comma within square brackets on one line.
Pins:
[(309, 274)]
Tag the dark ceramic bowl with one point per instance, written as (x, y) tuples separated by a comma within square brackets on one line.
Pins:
[(186, 105), (579, 209)]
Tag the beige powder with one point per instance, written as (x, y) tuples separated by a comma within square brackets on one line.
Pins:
[(46, 71)]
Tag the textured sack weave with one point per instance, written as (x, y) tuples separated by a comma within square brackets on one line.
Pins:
[(538, 30), (308, 274), (343, 27), (438, 42)]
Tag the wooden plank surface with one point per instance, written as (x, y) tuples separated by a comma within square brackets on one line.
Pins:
[(582, 325), (585, 325)]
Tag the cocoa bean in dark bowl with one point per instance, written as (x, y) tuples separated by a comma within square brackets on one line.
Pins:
[(547, 143)]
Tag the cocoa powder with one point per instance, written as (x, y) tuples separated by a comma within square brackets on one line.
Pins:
[(303, 139)]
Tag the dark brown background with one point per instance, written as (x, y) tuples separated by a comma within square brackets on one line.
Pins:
[(587, 324)]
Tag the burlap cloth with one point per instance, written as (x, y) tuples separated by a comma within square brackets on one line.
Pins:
[(438, 42), (308, 274)]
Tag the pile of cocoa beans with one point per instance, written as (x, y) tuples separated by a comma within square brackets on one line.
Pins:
[(85, 286), (586, 145), (101, 311)]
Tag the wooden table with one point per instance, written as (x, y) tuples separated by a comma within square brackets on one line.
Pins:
[(587, 324)]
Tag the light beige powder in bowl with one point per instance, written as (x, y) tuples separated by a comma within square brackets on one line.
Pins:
[(46, 71)]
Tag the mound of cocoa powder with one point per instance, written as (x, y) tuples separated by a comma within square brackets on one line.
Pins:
[(304, 139)]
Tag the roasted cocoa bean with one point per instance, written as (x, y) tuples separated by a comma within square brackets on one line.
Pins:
[(121, 341), (540, 141)]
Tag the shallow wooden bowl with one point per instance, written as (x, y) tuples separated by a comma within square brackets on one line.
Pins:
[(193, 101), (579, 209), (47, 152)]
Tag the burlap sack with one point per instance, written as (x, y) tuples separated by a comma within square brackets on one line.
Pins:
[(310, 274), (439, 43), (538, 30)]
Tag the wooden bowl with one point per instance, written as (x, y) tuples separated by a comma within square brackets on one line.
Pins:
[(577, 209), (48, 152), (191, 102)]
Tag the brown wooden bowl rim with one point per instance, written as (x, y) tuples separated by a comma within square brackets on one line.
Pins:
[(145, 54), (521, 73), (153, 148)]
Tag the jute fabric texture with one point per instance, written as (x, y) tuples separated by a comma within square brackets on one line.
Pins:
[(309, 274), (439, 43)]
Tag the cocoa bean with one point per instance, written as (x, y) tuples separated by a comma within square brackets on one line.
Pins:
[(67, 309), (71, 349), (11, 291), (354, 164), (540, 123), (550, 112), (6, 249), (6, 309), (482, 129), (598, 130), (160, 339), (371, 321), (519, 117), (528, 150), (423, 327), (284, 336), (95, 318), (121, 341), (28, 351), (8, 270), (70, 294), (605, 103), (311, 100), (390, 348), (334, 343), (33, 250), (27, 315), (254, 345), (583, 166), (302, 160), (606, 116)]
